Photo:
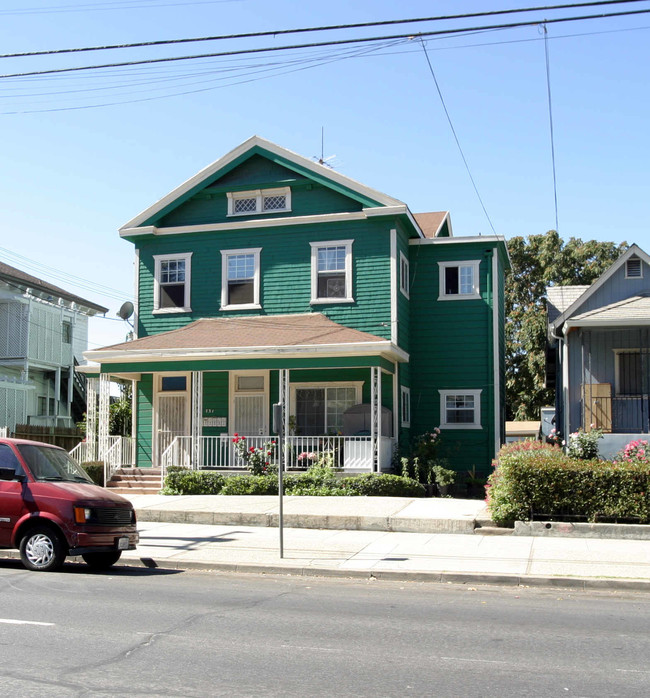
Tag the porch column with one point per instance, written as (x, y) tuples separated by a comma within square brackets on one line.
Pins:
[(375, 414), (92, 387), (197, 417), (284, 401), (104, 414)]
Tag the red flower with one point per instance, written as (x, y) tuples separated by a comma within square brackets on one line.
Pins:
[(252, 449)]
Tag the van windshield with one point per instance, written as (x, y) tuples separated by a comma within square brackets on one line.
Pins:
[(47, 463)]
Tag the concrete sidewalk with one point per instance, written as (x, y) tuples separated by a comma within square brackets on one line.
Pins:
[(240, 534)]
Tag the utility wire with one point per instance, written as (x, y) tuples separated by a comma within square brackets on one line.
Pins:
[(290, 47), (453, 130), (331, 27), (550, 121)]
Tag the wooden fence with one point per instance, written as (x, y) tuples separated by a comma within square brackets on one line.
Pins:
[(65, 437)]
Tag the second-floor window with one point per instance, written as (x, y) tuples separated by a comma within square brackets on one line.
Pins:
[(331, 271), (240, 273), (459, 280), (66, 332), (172, 283)]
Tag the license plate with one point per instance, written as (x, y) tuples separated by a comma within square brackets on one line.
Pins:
[(123, 543)]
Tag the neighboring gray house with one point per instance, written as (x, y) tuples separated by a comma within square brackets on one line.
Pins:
[(43, 334), (598, 356)]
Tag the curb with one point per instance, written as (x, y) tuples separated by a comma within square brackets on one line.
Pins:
[(511, 580)]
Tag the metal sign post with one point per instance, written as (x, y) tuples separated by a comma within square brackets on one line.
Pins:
[(278, 428)]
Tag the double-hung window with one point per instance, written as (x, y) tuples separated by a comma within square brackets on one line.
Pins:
[(172, 283), (459, 280), (331, 271), (240, 273), (460, 409), (257, 201)]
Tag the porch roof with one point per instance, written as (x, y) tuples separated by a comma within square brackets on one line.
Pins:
[(261, 336), (630, 311)]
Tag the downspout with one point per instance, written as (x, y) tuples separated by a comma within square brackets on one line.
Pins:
[(489, 257)]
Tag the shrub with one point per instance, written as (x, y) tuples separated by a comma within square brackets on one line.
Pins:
[(536, 478), (95, 470), (183, 481), (257, 459), (584, 444), (634, 452), (381, 485), (250, 484)]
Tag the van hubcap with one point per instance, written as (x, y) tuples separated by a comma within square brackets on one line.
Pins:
[(39, 550)]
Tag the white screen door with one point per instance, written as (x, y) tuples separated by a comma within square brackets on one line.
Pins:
[(171, 421)]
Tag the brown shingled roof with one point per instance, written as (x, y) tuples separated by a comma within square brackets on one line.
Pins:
[(430, 222), (312, 329)]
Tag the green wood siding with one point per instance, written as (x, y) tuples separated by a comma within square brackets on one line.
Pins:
[(451, 344), (215, 400), (144, 451), (285, 286)]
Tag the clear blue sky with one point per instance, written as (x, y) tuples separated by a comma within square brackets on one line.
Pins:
[(72, 175)]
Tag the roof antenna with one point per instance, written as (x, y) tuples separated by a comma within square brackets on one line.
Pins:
[(322, 160)]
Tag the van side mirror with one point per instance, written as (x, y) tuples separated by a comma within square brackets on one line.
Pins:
[(10, 474)]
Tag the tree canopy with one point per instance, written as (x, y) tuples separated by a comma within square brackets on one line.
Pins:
[(539, 261)]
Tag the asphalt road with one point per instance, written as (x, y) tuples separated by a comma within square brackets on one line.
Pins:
[(136, 632)]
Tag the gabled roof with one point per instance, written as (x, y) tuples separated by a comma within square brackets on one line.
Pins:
[(257, 145), (633, 250), (43, 289), (559, 298), (432, 223), (260, 335)]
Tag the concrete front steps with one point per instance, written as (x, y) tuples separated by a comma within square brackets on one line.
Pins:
[(135, 481)]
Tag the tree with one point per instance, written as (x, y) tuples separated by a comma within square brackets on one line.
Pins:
[(539, 261), (120, 412)]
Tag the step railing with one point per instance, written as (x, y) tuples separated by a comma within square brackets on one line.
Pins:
[(119, 455)]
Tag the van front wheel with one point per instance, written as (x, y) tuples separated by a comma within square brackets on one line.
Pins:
[(41, 549), (102, 561)]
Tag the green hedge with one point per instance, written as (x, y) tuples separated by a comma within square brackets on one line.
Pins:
[(535, 479), (95, 470), (183, 481), (316, 482)]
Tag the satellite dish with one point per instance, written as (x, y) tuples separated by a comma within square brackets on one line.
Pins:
[(126, 310)]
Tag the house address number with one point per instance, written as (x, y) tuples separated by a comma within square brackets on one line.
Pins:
[(215, 421)]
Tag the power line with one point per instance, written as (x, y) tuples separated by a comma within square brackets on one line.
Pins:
[(331, 27), (550, 121), (291, 47), (453, 130)]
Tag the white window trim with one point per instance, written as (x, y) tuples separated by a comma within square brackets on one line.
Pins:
[(640, 274), (255, 305), (474, 263), (405, 406), (404, 280), (258, 195), (158, 259), (476, 424), (315, 246), (357, 385)]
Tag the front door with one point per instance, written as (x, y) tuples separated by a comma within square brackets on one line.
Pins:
[(172, 414)]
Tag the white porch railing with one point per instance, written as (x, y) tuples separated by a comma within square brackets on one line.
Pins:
[(348, 453), (119, 454)]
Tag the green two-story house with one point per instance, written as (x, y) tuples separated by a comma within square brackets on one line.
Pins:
[(270, 278)]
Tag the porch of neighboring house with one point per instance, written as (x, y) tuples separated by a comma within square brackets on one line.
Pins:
[(339, 414), (614, 385)]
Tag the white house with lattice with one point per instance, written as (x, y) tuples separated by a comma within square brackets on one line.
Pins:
[(43, 334)]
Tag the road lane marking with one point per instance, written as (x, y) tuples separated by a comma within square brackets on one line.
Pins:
[(12, 621)]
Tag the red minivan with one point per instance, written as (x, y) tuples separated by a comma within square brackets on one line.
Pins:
[(50, 508)]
